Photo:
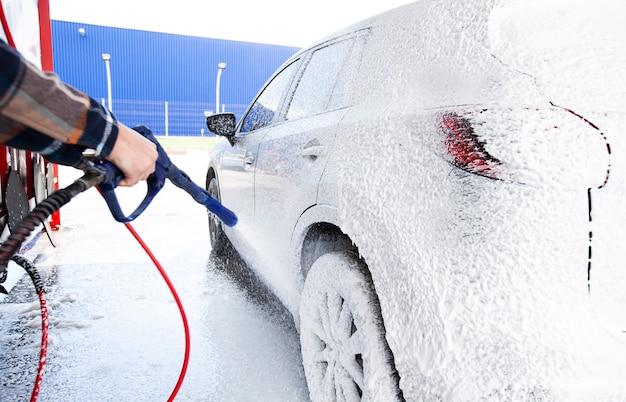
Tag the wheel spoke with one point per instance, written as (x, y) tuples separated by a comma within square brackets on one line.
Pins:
[(353, 345), (350, 356), (318, 330), (329, 380), (325, 321), (347, 389), (344, 322), (335, 307)]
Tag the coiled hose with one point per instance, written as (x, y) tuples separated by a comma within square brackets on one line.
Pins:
[(10, 247), (43, 351), (40, 213)]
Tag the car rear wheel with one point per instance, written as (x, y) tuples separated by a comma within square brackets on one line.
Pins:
[(344, 350), (216, 230)]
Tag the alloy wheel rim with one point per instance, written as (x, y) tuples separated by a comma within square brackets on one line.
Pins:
[(339, 356)]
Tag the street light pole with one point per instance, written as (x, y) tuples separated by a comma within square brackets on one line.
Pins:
[(220, 67), (107, 60)]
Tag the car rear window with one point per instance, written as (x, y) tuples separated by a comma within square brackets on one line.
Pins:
[(316, 86)]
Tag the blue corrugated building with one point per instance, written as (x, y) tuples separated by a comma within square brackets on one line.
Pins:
[(164, 81)]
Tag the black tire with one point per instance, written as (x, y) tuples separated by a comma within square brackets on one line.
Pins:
[(342, 335), (217, 236)]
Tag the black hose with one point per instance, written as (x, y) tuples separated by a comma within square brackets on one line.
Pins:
[(31, 270), (40, 213), (8, 251), (10, 247), (38, 282)]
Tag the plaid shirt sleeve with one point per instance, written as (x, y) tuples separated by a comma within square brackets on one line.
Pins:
[(40, 113)]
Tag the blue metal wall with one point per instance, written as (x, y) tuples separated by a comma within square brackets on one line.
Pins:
[(149, 69)]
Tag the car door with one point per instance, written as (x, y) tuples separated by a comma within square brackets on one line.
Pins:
[(238, 162), (293, 154)]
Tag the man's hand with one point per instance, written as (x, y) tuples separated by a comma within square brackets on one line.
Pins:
[(134, 155)]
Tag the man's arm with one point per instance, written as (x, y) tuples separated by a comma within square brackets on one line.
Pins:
[(39, 112), (40, 101)]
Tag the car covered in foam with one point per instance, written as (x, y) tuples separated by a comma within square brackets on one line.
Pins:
[(435, 194)]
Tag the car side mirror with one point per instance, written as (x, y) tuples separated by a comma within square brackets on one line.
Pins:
[(222, 124)]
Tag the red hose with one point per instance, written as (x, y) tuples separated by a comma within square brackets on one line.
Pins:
[(32, 272), (42, 300), (178, 303), (34, 275), (44, 346), (5, 26)]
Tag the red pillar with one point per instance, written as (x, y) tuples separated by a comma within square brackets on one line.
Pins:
[(47, 64)]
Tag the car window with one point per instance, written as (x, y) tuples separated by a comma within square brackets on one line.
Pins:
[(345, 88), (317, 83), (266, 105)]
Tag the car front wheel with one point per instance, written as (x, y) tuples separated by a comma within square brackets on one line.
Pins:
[(216, 231), (344, 350)]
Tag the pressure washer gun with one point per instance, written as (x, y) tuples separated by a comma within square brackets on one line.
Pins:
[(165, 169), (106, 177)]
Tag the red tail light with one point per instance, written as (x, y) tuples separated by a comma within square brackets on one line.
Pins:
[(465, 149)]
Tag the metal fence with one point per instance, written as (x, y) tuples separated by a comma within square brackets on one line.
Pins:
[(170, 118)]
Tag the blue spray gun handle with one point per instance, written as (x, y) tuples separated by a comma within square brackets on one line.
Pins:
[(112, 178), (165, 169)]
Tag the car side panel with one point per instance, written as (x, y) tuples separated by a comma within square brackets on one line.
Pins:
[(290, 162)]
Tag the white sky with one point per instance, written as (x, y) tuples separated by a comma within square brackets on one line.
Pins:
[(281, 22)]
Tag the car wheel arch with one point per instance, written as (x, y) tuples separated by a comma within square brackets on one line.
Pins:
[(316, 227), (320, 239)]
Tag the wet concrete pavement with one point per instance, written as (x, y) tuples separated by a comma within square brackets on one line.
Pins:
[(115, 331)]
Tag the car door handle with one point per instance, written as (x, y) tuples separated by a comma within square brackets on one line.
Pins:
[(314, 151), (248, 160)]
